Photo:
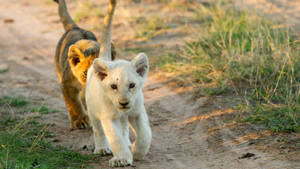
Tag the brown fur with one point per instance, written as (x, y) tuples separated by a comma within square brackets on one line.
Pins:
[(75, 53)]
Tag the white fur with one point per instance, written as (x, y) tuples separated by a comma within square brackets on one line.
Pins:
[(108, 119)]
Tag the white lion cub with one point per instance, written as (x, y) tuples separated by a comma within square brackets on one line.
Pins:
[(114, 97)]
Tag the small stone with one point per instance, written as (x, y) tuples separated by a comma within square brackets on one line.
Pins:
[(247, 155)]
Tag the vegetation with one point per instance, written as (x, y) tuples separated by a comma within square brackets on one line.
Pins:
[(24, 144), (136, 50), (4, 70), (88, 10), (43, 110), (149, 28), (13, 101), (247, 54)]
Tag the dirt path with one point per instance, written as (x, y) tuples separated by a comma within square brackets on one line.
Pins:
[(189, 130)]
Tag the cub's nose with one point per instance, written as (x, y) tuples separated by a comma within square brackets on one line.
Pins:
[(123, 104)]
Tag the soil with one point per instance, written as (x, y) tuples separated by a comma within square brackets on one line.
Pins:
[(190, 130)]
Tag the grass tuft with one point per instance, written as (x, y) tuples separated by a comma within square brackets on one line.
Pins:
[(149, 28), (4, 70), (88, 10), (43, 110), (24, 144), (136, 50), (13, 101)]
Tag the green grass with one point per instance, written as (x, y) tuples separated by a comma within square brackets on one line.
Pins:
[(136, 50), (43, 110), (245, 53), (277, 119), (88, 10), (4, 70), (216, 91), (25, 144), (150, 27), (13, 101)]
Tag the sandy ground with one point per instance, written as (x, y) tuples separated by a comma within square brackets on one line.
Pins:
[(190, 130)]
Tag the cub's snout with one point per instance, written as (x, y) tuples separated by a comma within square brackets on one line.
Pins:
[(124, 104)]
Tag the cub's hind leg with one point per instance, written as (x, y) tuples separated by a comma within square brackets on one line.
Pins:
[(82, 97), (77, 114), (101, 144)]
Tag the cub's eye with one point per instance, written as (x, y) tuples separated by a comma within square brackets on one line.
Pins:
[(114, 86), (131, 85), (85, 73)]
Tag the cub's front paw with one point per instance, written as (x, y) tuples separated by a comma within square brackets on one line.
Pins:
[(103, 151), (138, 156), (80, 122), (119, 162)]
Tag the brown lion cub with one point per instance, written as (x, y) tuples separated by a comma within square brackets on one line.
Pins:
[(75, 53)]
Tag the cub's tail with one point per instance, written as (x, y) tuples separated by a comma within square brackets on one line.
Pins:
[(64, 15), (105, 49)]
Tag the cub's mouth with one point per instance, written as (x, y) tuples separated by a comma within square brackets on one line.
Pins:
[(124, 108)]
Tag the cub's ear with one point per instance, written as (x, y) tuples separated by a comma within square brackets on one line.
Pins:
[(74, 55), (100, 68), (140, 62)]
